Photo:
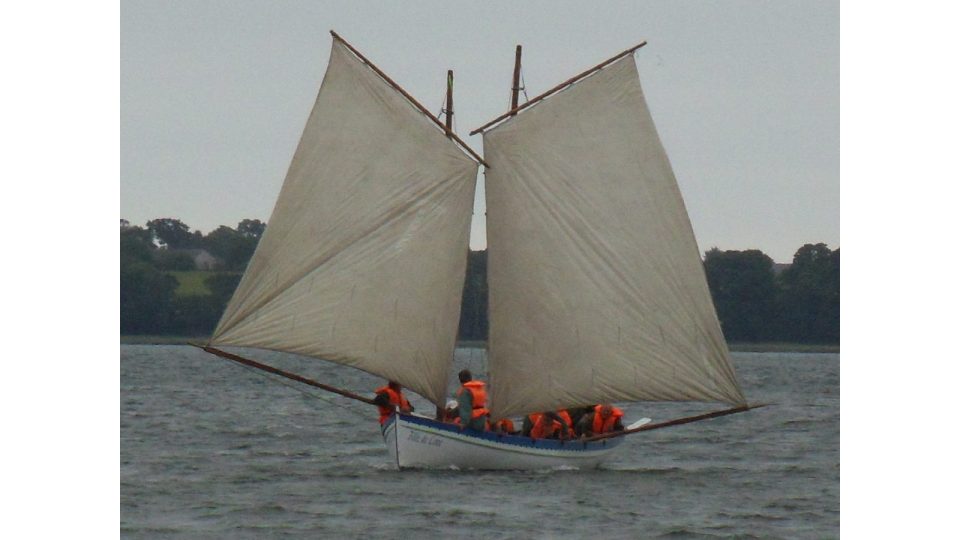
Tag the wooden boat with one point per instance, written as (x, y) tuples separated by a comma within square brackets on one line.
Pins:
[(420, 442), (597, 291)]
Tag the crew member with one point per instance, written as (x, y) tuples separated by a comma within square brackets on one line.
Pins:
[(472, 401), (505, 425), (577, 413), (604, 419), (451, 413), (390, 398), (549, 426)]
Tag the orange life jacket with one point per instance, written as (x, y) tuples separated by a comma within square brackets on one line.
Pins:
[(505, 425), (565, 416), (541, 425), (396, 400), (479, 392), (599, 426)]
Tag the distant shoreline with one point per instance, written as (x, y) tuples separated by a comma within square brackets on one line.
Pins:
[(468, 344)]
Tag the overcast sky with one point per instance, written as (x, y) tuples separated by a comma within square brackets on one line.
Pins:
[(745, 95)]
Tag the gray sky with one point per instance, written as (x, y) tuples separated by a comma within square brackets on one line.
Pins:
[(745, 95)]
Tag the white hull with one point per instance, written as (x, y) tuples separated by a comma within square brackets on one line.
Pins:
[(418, 442)]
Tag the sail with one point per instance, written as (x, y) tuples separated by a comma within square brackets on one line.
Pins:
[(597, 290), (364, 257)]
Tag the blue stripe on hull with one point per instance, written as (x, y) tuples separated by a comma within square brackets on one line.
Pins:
[(511, 440)]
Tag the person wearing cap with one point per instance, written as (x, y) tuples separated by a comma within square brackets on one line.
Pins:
[(605, 418), (472, 402), (451, 413), (389, 398)]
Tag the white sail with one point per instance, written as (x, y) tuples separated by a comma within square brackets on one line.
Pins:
[(364, 257), (597, 290)]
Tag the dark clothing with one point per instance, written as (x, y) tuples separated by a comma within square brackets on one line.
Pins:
[(577, 413)]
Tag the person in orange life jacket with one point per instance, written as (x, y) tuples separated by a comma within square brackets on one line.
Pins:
[(504, 426), (389, 398), (472, 401), (550, 425), (562, 415), (604, 419)]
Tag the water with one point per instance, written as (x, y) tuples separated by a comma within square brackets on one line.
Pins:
[(212, 450)]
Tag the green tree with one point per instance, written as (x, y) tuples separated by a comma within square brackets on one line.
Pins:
[(172, 233), (743, 288), (232, 246), (146, 298), (221, 287), (195, 315), (136, 244), (173, 261), (252, 228), (809, 303)]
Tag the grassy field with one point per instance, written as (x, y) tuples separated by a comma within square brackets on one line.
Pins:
[(191, 282)]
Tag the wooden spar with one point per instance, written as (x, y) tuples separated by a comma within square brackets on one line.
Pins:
[(410, 98), (449, 117), (557, 88), (677, 422), (287, 374), (515, 91)]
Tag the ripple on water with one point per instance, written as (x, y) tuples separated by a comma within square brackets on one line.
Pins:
[(208, 451)]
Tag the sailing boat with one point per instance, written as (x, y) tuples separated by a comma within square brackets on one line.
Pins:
[(597, 292)]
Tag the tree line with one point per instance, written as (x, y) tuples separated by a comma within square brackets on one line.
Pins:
[(149, 303), (756, 301)]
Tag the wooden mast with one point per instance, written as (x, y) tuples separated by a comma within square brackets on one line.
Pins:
[(556, 88), (449, 116), (515, 91), (410, 98)]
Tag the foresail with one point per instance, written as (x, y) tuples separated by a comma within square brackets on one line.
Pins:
[(364, 257), (597, 290)]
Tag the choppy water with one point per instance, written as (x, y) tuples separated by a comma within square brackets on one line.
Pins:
[(212, 450)]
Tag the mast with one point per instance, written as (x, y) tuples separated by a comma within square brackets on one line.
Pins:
[(556, 88), (515, 90), (410, 98), (449, 116)]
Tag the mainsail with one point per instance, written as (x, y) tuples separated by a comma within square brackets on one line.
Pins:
[(364, 258), (597, 290)]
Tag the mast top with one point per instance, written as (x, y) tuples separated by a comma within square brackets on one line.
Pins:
[(515, 109), (410, 98)]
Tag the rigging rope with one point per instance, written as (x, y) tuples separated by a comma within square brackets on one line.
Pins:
[(523, 85), (522, 88)]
